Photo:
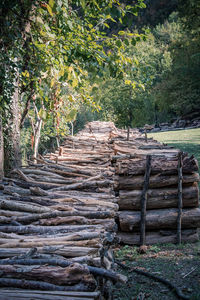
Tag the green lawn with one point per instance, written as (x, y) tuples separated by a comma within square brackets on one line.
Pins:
[(186, 140)]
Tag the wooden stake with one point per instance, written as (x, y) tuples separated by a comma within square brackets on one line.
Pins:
[(180, 196), (128, 133), (144, 200), (145, 133)]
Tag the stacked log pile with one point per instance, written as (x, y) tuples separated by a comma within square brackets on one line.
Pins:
[(59, 215), (57, 222), (162, 194)]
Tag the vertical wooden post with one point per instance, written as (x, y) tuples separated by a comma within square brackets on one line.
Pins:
[(1, 151), (128, 133), (180, 196), (145, 134), (143, 202)]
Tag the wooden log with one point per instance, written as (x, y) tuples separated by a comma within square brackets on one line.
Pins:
[(159, 237), (92, 202), (76, 220), (34, 200), (14, 205), (31, 229), (161, 218), (135, 151), (83, 185), (115, 277), (70, 275), (55, 180), (159, 198), (63, 214), (156, 181), (5, 243), (164, 165), (77, 236), (35, 285), (10, 213), (37, 171), (1, 151), (14, 189), (69, 170), (25, 294), (56, 251), (27, 185)]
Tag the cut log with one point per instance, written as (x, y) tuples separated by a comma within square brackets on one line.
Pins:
[(19, 294), (32, 284), (159, 198), (27, 185), (73, 274), (135, 151), (159, 237), (14, 205), (161, 165), (13, 189), (115, 277), (158, 219), (83, 185), (156, 181), (5, 243), (63, 214), (29, 229)]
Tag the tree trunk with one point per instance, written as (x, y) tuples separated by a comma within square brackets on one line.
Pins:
[(1, 151), (37, 138), (12, 141)]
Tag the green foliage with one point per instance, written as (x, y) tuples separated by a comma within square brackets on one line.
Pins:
[(162, 83), (55, 51)]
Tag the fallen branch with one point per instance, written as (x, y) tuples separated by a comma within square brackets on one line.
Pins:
[(174, 288)]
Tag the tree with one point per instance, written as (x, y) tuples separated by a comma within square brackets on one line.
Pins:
[(53, 50)]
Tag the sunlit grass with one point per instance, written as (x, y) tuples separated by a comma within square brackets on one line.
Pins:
[(187, 140)]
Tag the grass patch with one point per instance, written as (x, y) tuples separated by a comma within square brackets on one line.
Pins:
[(179, 264), (186, 140)]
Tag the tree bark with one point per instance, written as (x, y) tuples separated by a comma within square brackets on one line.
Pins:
[(156, 181), (73, 274), (159, 198), (20, 294), (136, 166), (12, 141), (161, 218), (1, 151), (161, 237)]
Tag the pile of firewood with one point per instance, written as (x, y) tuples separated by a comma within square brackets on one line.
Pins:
[(162, 194), (59, 214), (58, 222)]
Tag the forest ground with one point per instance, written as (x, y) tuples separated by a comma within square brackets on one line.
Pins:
[(178, 264)]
